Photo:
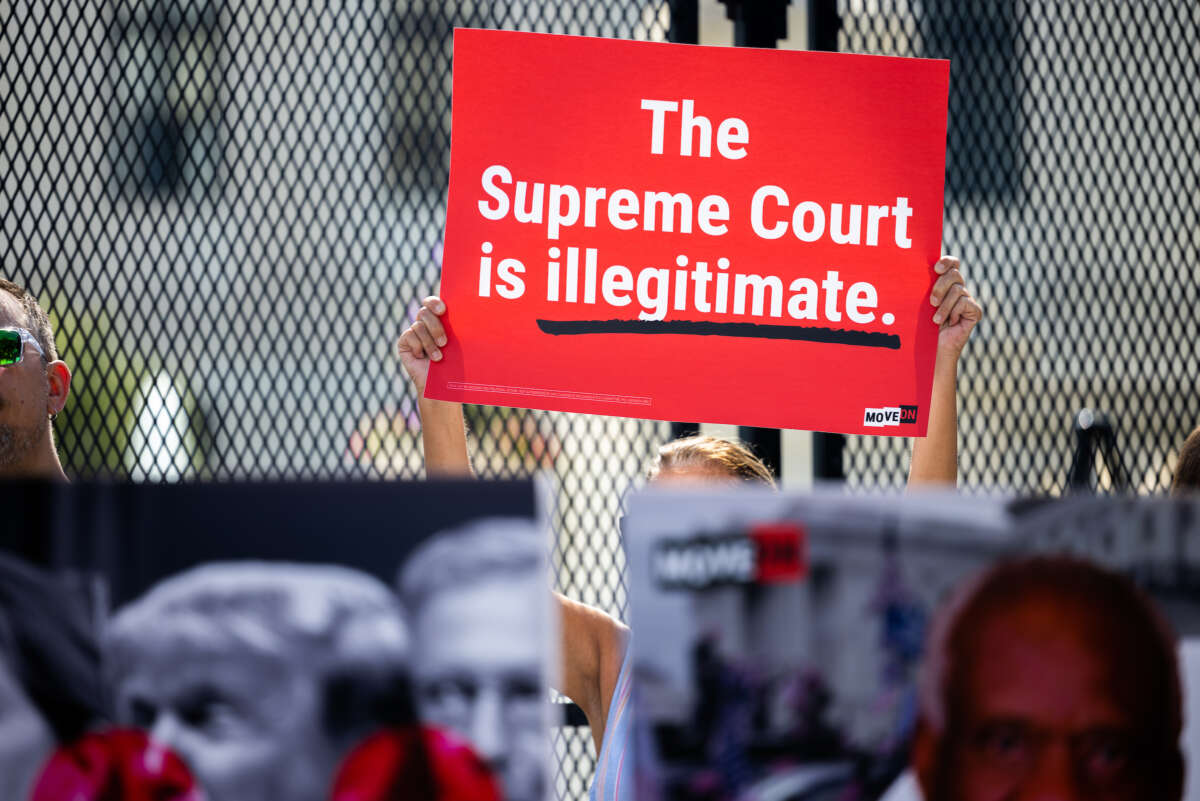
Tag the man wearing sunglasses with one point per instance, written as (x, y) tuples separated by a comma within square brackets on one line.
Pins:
[(34, 384)]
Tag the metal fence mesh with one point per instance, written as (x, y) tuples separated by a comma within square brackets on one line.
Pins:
[(230, 209), (1072, 195)]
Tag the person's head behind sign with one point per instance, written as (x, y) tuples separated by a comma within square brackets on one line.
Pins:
[(1049, 678), (477, 600), (706, 459), (34, 384), (1187, 472), (261, 676)]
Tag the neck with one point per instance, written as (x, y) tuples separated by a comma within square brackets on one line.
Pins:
[(49, 467), (41, 462)]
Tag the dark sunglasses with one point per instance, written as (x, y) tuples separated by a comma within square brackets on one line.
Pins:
[(12, 345)]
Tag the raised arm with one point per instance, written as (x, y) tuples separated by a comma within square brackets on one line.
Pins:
[(935, 456), (592, 649), (443, 431)]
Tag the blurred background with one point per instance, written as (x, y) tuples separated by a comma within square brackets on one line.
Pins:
[(230, 211)]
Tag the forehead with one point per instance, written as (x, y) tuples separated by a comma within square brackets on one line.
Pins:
[(691, 475), (165, 672), (491, 626), (1053, 664)]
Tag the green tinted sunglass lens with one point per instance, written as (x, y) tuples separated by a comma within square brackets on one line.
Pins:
[(10, 347)]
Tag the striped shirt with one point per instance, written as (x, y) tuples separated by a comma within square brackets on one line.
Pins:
[(613, 780)]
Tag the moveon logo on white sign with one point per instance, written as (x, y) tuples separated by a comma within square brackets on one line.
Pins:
[(890, 416), (878, 418), (705, 561)]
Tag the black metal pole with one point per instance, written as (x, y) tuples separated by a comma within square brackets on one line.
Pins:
[(767, 444), (823, 26), (760, 23), (685, 22), (684, 29), (681, 430), (757, 23), (1088, 427), (1095, 432), (828, 450)]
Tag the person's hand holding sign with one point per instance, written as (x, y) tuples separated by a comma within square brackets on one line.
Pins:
[(442, 428), (957, 312), (935, 456), (422, 342)]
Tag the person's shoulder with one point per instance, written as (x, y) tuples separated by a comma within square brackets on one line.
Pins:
[(607, 634), (613, 651)]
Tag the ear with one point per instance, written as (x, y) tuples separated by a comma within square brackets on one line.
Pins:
[(58, 376), (924, 757)]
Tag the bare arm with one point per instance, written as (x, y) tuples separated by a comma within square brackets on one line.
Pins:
[(443, 431), (592, 649), (444, 437), (935, 456)]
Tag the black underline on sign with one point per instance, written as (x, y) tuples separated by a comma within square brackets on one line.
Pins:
[(802, 333)]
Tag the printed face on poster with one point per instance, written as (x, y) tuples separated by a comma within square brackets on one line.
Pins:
[(287, 641), (938, 647), (693, 233)]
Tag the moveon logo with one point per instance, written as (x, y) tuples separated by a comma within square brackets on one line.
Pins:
[(889, 416), (703, 562), (768, 553)]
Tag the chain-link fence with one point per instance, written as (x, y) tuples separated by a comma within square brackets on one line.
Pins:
[(1072, 195), (229, 209)]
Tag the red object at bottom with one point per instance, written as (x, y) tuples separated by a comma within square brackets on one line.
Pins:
[(782, 555), (414, 764), (115, 765)]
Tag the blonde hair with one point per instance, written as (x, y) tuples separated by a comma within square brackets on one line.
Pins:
[(713, 455), (1187, 473)]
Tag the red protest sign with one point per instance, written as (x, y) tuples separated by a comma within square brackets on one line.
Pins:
[(693, 233)]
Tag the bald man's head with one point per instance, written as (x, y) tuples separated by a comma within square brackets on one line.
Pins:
[(1050, 678)]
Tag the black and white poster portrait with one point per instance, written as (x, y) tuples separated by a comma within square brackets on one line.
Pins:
[(321, 642)]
